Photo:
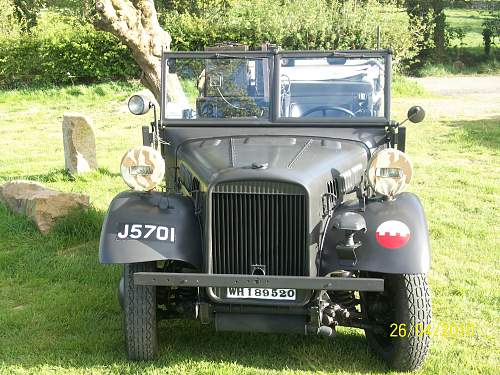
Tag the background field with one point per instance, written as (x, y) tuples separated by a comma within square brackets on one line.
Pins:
[(58, 307), (468, 49), (471, 21)]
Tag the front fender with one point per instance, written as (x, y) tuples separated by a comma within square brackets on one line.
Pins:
[(151, 208), (411, 258)]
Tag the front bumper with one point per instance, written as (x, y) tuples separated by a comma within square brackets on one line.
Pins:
[(254, 281)]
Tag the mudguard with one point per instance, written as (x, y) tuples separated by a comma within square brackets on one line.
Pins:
[(396, 240), (172, 213)]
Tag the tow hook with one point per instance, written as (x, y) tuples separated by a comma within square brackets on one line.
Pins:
[(325, 317), (330, 318)]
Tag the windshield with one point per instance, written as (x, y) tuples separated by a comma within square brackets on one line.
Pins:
[(334, 87), (309, 85), (223, 87)]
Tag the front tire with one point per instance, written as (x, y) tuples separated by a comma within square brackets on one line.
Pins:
[(140, 322), (405, 303)]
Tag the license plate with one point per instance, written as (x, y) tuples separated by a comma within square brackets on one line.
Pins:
[(262, 293)]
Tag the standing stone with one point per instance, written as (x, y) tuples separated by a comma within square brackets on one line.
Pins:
[(458, 65), (79, 143)]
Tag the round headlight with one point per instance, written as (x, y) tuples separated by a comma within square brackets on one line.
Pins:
[(138, 104), (390, 171), (142, 168)]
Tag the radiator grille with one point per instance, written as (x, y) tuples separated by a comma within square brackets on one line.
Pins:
[(259, 223)]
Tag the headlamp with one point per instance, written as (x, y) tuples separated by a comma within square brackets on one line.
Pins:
[(389, 172), (142, 168), (139, 104)]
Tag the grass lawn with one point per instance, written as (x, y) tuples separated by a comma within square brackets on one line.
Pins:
[(59, 311)]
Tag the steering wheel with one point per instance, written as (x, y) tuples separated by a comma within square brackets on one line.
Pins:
[(324, 108)]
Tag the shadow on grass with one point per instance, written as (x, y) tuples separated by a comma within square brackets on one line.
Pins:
[(80, 225), (182, 342), (485, 132), (187, 346), (54, 175), (107, 172), (60, 175)]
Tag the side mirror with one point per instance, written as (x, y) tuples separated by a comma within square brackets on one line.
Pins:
[(416, 114), (139, 104)]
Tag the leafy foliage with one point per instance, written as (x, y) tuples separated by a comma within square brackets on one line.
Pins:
[(9, 24), (63, 49), (82, 55), (454, 36), (491, 30), (27, 11), (295, 24), (194, 6), (429, 14)]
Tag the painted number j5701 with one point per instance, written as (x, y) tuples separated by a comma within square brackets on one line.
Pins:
[(145, 232)]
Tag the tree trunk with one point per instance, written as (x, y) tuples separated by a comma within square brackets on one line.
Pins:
[(439, 29), (135, 24)]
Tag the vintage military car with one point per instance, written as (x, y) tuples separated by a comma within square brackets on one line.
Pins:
[(269, 198)]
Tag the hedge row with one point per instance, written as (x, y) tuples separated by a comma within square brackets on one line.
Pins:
[(81, 54), (298, 24), (86, 56)]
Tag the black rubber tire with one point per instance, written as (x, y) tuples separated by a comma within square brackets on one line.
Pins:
[(410, 304), (140, 323)]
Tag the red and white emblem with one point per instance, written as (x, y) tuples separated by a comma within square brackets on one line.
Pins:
[(392, 234)]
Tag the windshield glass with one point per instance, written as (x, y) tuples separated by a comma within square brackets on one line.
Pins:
[(222, 87), (332, 87)]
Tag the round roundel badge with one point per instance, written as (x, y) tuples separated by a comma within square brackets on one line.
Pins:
[(392, 234)]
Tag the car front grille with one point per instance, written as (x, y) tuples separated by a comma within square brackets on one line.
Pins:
[(259, 225)]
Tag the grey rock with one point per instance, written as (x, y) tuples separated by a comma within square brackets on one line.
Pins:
[(44, 206)]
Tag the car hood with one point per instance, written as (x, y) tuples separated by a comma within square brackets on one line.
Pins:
[(302, 159)]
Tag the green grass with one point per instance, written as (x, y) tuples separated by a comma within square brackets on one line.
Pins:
[(59, 311), (30, 125), (471, 21), (404, 87), (447, 69)]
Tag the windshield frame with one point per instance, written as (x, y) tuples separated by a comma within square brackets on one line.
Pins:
[(274, 119)]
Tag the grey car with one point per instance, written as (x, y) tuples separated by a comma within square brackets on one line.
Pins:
[(269, 197)]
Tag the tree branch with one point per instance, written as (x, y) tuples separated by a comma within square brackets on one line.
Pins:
[(135, 24)]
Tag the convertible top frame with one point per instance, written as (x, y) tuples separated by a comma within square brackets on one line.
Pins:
[(274, 119)]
